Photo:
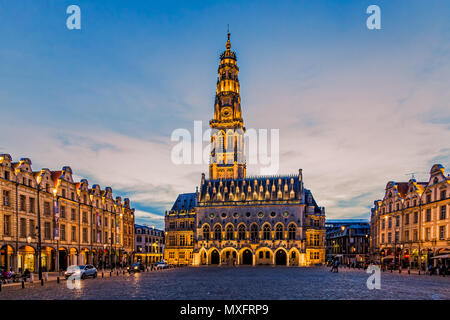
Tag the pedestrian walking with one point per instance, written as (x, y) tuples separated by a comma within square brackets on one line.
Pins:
[(336, 265)]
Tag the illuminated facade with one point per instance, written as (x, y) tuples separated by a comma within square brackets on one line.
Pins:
[(410, 225), (227, 138), (79, 224), (239, 220), (180, 226), (149, 244)]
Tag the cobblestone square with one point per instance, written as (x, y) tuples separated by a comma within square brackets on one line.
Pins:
[(242, 283)]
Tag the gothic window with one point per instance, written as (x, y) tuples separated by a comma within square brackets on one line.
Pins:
[(218, 233), (206, 233), (266, 232), (254, 233), (291, 232), (241, 232), (279, 232), (230, 145), (220, 144), (230, 232)]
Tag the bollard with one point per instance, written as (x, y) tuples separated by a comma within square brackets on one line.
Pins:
[(57, 279), (123, 272), (102, 274), (31, 278), (46, 277), (42, 282), (0, 286), (409, 271), (117, 272), (23, 284), (110, 274)]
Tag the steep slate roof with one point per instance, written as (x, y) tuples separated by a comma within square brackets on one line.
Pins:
[(185, 201)]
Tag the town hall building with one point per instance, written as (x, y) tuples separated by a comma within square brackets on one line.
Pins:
[(233, 219)]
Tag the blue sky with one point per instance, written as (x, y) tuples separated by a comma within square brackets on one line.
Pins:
[(355, 107)]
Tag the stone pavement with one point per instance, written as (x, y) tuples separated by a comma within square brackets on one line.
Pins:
[(241, 282)]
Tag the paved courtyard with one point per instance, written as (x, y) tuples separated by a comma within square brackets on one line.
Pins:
[(242, 283)]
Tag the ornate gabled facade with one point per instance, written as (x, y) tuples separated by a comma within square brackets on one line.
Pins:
[(259, 220), (238, 219), (78, 224), (410, 226), (180, 226)]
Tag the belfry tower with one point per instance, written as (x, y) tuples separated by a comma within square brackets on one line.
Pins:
[(227, 137)]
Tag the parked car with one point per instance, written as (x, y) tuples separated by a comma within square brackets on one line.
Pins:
[(136, 267), (161, 265), (84, 271)]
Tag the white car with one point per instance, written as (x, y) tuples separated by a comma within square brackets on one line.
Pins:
[(82, 271), (161, 265)]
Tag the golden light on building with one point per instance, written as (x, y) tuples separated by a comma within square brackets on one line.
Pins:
[(410, 226), (233, 219), (80, 234)]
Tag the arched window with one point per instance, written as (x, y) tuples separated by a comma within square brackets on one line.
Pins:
[(230, 144), (220, 142), (254, 233), (279, 232), (266, 232), (291, 232), (206, 233), (230, 233), (241, 232), (217, 233)]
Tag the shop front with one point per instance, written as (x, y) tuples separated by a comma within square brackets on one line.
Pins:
[(6, 257), (48, 256), (26, 259)]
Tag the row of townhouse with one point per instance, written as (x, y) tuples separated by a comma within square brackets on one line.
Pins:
[(76, 224), (410, 226)]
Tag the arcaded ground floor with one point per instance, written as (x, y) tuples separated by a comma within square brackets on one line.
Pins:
[(261, 282)]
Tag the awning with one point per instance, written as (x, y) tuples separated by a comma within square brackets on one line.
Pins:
[(389, 257), (442, 256)]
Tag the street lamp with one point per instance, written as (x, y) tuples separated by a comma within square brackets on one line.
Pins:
[(39, 244), (344, 248), (56, 213), (104, 260)]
